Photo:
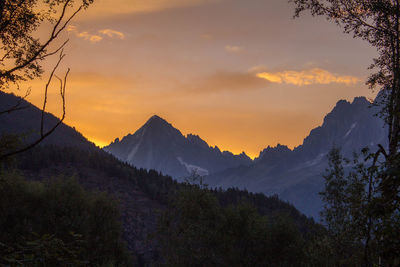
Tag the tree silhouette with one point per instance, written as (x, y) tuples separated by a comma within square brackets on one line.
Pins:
[(377, 22), (22, 54)]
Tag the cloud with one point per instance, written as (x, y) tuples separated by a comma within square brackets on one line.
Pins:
[(230, 81), (90, 37), (307, 77), (113, 33), (94, 38), (233, 49)]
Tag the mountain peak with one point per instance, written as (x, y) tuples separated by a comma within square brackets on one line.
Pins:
[(156, 118), (157, 122), (361, 100)]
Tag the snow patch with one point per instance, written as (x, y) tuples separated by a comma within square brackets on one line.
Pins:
[(351, 129), (315, 161), (136, 147), (193, 168)]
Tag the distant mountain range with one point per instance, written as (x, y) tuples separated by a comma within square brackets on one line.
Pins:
[(295, 175), (158, 145)]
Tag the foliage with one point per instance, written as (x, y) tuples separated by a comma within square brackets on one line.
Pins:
[(56, 223), (372, 199), (45, 250), (353, 213), (377, 22), (22, 51), (233, 209), (196, 230)]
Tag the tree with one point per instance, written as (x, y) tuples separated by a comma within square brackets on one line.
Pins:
[(22, 53), (58, 223), (377, 22), (196, 230), (348, 198)]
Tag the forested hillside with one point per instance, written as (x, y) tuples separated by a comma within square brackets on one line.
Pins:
[(143, 194)]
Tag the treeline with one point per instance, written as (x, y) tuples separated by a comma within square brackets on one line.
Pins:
[(58, 223), (157, 186), (197, 225), (198, 230)]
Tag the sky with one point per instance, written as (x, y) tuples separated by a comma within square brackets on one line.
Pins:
[(243, 75)]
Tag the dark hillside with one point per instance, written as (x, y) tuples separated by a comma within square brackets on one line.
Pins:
[(26, 123), (141, 193)]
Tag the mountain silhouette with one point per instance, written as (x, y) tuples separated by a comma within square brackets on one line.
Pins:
[(297, 175), (26, 123), (158, 145)]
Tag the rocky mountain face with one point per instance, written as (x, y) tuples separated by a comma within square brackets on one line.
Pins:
[(296, 175), (26, 123), (158, 145)]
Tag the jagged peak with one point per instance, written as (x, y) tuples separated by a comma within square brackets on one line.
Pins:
[(278, 149), (195, 139), (342, 102), (155, 119), (360, 100)]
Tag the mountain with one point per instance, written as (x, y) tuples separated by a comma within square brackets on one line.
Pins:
[(26, 123), (158, 145), (296, 175), (141, 194)]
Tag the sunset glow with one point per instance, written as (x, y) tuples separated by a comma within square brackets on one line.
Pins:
[(242, 78)]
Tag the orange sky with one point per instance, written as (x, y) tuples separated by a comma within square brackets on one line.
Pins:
[(241, 74)]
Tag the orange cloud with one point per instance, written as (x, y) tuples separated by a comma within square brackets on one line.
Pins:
[(113, 33), (90, 37), (94, 38), (307, 77), (84, 35)]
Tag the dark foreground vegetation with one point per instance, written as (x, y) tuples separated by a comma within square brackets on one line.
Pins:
[(57, 223), (156, 219), (187, 225)]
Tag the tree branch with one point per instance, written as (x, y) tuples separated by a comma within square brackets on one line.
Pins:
[(42, 49), (17, 105), (43, 134)]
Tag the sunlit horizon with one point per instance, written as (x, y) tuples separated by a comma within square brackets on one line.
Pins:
[(240, 84)]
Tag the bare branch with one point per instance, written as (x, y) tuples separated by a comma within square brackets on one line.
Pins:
[(46, 89), (17, 105), (57, 29), (43, 134)]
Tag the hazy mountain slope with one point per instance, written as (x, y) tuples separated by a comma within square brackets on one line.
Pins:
[(296, 175), (26, 122), (158, 145)]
